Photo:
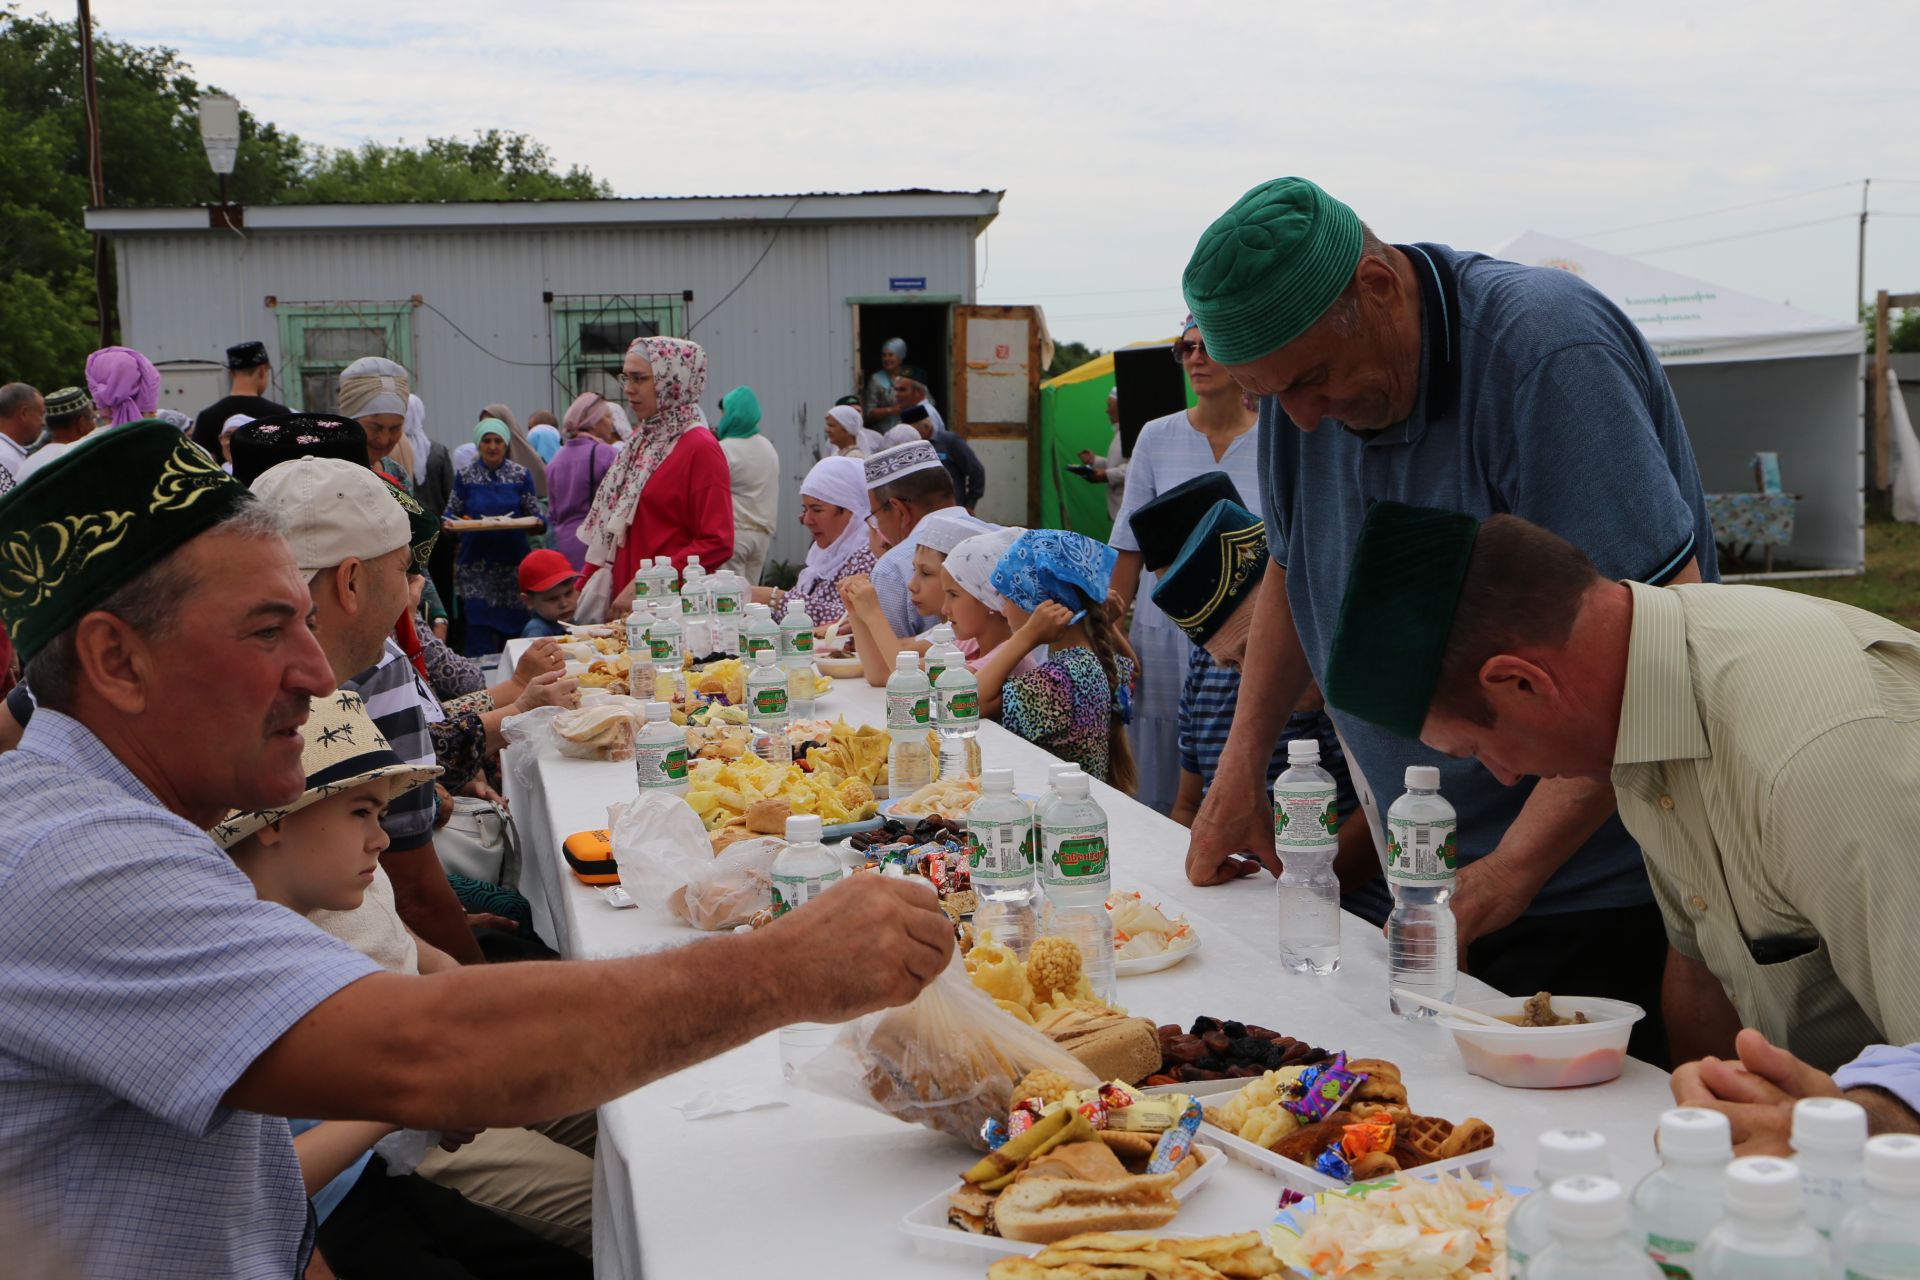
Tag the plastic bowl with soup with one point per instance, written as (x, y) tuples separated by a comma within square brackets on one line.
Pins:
[(1562, 1057)]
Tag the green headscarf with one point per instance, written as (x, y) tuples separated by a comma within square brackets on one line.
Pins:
[(739, 414), (491, 427)]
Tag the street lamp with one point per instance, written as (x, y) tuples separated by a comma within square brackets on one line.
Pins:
[(220, 134)]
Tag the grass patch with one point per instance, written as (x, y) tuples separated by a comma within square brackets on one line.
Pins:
[(1891, 585)]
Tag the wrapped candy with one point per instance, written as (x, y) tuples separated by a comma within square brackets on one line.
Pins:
[(1289, 1198), (1095, 1111), (1176, 1142), (994, 1133), (1117, 1097), (1334, 1165), (1362, 1139), (1324, 1088), (1018, 1122)]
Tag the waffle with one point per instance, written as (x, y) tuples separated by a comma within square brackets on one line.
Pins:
[(1471, 1134), (1422, 1138)]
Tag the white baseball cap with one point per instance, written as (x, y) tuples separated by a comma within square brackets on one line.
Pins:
[(335, 511)]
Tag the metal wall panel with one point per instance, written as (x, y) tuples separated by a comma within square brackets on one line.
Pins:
[(482, 333)]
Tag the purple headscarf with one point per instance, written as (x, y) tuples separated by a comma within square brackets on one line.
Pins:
[(124, 384)]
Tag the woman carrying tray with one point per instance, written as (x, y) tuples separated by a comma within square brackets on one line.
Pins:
[(485, 574)]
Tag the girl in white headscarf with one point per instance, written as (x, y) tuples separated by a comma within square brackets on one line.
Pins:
[(833, 509), (430, 465), (973, 606)]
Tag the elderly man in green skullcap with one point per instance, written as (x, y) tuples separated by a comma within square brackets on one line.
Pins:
[(1437, 377), (158, 1020)]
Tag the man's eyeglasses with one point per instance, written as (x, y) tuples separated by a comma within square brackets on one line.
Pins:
[(1183, 350)]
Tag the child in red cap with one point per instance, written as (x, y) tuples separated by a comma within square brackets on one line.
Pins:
[(548, 590)]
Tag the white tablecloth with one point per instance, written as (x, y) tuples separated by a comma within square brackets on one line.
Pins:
[(829, 1181)]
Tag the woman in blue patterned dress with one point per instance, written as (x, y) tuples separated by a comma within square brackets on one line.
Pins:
[(484, 575)]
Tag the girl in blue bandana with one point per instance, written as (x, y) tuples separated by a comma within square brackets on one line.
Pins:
[(1077, 703)]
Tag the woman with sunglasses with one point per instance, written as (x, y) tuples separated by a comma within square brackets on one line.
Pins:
[(1216, 434)]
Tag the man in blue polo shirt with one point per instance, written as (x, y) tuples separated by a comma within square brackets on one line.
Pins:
[(1436, 377)]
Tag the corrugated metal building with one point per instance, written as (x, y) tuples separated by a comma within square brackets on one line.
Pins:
[(532, 303)]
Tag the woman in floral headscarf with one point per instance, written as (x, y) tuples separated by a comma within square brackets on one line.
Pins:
[(673, 460)]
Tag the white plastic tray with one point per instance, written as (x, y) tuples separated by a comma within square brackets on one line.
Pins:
[(1307, 1180), (934, 1237), (1204, 1088), (1154, 964)]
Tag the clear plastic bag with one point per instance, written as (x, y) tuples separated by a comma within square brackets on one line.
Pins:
[(661, 846), (949, 1060), (731, 889)]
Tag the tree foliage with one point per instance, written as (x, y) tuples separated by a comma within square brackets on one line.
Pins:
[(1071, 355), (153, 157), (1903, 329)]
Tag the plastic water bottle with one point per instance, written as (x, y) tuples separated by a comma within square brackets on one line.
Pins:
[(639, 656), (1588, 1218), (909, 712), (1074, 868), (1829, 1145), (802, 871), (1000, 855), (664, 639), (694, 610), (1561, 1153), (957, 711), (728, 592), (796, 631), (1765, 1235), (1676, 1205), (1048, 798), (1420, 871), (767, 709), (1306, 832), (1880, 1239), (666, 581), (760, 632), (693, 562), (660, 753), (643, 580), (942, 652)]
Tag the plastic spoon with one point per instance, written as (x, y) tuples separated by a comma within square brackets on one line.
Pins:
[(1451, 1010)]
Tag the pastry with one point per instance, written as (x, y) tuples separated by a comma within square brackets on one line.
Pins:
[(1385, 1092), (769, 817), (1471, 1134), (1374, 1068), (1421, 1138), (1375, 1164), (1304, 1145)]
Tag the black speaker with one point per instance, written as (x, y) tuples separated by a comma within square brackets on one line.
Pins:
[(1151, 386)]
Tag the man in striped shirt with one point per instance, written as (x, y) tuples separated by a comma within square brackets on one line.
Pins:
[(1763, 747)]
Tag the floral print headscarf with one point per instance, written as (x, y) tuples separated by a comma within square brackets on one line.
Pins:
[(679, 377)]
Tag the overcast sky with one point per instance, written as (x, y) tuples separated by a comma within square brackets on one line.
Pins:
[(1120, 129)]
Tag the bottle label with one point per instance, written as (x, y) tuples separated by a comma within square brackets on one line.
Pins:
[(637, 637), (908, 710), (770, 701), (1664, 1250), (728, 603), (1076, 855), (1421, 852), (1306, 819), (995, 850), (958, 705), (793, 892), (934, 673), (640, 589), (663, 649), (800, 642), (660, 764), (757, 643)]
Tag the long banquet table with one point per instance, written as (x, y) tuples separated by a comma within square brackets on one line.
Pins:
[(821, 1184)]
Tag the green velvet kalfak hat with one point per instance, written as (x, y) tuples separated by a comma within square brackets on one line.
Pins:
[(1221, 565)]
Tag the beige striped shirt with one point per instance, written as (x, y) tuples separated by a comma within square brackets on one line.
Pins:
[(1769, 765)]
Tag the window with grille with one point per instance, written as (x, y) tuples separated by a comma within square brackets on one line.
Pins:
[(591, 334), (319, 339)]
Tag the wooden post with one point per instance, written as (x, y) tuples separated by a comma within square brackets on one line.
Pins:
[(1879, 461)]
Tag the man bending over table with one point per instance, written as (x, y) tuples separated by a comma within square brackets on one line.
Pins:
[(1762, 745), (157, 1019)]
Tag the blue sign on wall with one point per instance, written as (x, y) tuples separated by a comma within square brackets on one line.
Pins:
[(906, 284)]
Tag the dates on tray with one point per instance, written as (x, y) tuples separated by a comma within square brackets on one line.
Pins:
[(1221, 1049)]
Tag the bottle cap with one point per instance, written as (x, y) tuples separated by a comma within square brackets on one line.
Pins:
[(1762, 1187), (797, 612), (1893, 1164), (1303, 751), (942, 633), (1423, 777), (906, 660), (996, 781), (658, 711), (765, 658), (803, 826), (1830, 1126), (1586, 1208), (693, 562), (1075, 785), (1055, 772), (1694, 1135), (1568, 1153)]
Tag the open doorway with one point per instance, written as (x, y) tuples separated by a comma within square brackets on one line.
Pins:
[(926, 328)]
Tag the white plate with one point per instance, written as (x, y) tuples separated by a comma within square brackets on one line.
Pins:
[(1296, 1218), (1307, 1180), (1154, 964), (933, 1236), (838, 668)]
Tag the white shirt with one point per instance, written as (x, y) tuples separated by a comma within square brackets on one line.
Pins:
[(41, 457), (754, 466), (12, 456)]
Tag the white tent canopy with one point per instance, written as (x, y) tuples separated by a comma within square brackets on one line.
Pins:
[(1690, 321), (1751, 376)]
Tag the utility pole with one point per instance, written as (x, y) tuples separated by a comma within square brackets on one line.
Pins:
[(96, 173), (1860, 257)]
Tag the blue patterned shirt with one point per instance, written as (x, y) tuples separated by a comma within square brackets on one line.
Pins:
[(139, 977)]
